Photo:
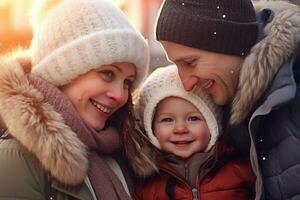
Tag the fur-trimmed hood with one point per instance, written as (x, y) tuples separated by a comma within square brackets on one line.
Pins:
[(37, 126), (42, 131), (281, 37)]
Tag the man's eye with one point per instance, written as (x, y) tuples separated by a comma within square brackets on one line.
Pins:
[(189, 62)]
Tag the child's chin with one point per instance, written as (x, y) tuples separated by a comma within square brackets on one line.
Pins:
[(184, 155)]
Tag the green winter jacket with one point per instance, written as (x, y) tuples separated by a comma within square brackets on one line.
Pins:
[(37, 143), (26, 179)]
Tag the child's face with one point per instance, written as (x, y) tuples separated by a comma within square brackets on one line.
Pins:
[(98, 93), (180, 128)]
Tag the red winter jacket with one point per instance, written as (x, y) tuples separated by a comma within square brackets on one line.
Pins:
[(233, 181)]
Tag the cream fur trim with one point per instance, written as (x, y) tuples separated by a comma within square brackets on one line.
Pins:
[(265, 58), (38, 127)]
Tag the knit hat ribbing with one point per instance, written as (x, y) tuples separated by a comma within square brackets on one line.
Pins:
[(164, 82), (72, 37), (223, 26)]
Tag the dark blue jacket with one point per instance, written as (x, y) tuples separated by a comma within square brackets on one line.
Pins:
[(267, 103)]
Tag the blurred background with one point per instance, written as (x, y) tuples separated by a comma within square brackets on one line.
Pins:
[(15, 29)]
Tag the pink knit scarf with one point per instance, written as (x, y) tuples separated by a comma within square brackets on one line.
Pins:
[(105, 183)]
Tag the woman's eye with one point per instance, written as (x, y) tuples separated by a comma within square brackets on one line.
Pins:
[(107, 75), (128, 83), (193, 118)]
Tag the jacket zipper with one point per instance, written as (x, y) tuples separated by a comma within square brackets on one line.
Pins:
[(194, 190), (195, 194)]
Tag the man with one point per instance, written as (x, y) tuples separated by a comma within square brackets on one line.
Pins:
[(249, 62)]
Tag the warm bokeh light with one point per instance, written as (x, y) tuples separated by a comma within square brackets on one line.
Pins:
[(118, 2), (3, 2), (15, 29), (14, 24)]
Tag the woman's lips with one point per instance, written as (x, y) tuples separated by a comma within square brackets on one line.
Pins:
[(100, 107)]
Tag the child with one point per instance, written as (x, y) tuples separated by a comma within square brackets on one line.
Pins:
[(185, 127), (66, 110)]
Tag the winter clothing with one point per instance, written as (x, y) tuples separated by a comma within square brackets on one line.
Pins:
[(165, 82), (267, 103), (191, 178), (71, 37), (48, 145), (50, 139), (221, 22), (233, 181)]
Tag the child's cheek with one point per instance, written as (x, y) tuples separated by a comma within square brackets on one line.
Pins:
[(161, 137), (203, 136)]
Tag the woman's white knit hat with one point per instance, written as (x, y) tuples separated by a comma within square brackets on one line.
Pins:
[(71, 37), (165, 82)]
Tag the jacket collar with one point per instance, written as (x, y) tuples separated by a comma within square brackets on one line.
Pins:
[(283, 87), (42, 131), (78, 192), (279, 36)]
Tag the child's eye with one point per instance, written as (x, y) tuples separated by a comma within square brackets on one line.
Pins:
[(193, 118), (167, 119)]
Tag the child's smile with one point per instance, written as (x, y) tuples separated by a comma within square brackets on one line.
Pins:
[(181, 131)]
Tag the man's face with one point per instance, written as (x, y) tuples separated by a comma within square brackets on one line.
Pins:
[(216, 73)]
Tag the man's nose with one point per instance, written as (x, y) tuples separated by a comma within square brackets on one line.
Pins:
[(189, 83), (188, 79)]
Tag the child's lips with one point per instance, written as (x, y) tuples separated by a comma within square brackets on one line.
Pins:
[(182, 143)]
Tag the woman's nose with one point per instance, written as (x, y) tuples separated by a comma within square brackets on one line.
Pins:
[(118, 93)]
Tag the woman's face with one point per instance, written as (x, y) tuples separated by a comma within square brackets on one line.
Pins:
[(100, 92), (216, 73)]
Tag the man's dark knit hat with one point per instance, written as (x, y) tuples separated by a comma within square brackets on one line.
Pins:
[(223, 26)]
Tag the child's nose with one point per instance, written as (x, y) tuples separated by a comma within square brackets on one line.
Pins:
[(180, 128)]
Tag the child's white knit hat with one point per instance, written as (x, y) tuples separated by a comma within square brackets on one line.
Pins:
[(71, 37), (165, 82)]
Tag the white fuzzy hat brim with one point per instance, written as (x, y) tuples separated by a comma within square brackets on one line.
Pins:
[(92, 51)]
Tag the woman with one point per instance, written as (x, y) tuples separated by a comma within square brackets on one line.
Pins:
[(67, 109)]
